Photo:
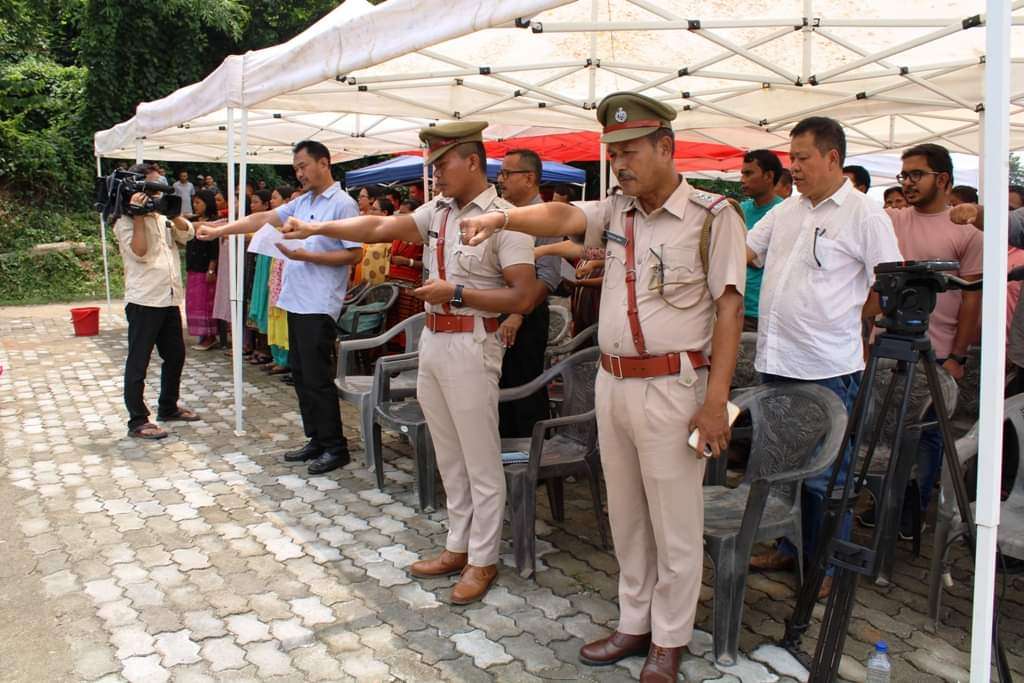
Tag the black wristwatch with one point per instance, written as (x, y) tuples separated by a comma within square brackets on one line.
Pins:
[(456, 300), (960, 360)]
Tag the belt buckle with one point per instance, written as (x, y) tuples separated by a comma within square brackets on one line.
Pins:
[(612, 360)]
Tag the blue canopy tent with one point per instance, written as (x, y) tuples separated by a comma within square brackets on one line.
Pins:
[(404, 169)]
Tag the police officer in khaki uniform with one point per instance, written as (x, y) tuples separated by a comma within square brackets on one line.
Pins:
[(670, 301), (460, 354)]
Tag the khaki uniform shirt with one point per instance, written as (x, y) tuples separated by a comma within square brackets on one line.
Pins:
[(155, 278), (478, 267), (677, 307)]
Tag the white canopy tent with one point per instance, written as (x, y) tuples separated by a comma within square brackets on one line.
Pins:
[(738, 73)]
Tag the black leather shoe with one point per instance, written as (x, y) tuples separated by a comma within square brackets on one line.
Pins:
[(328, 462), (310, 451)]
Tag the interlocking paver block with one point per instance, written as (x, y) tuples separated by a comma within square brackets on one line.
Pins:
[(131, 641), (248, 628), (485, 652), (269, 659), (190, 558), (177, 648), (291, 633), (312, 611), (222, 654), (145, 670), (103, 590), (203, 624)]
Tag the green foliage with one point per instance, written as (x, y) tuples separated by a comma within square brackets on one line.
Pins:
[(27, 278), (39, 105), (1016, 170)]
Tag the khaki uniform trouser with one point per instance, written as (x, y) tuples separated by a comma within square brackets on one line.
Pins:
[(655, 500), (457, 388)]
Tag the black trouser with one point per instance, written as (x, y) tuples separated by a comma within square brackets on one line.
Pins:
[(311, 338), (523, 363), (150, 326)]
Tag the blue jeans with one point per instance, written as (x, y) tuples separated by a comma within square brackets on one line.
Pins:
[(812, 501)]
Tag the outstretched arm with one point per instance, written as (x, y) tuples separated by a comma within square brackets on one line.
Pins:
[(366, 229), (566, 249), (519, 297), (553, 219), (250, 223)]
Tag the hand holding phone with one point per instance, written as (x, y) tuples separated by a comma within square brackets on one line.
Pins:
[(732, 412)]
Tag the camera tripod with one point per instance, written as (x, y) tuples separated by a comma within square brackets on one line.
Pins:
[(850, 559)]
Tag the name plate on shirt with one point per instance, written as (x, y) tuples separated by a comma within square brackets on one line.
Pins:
[(432, 233), (614, 237)]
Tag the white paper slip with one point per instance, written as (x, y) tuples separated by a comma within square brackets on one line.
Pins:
[(267, 238), (514, 458)]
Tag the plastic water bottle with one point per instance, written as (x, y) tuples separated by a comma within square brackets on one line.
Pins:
[(879, 668)]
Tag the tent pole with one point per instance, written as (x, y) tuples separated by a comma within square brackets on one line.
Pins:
[(235, 268), (103, 244), (603, 184), (138, 150), (805, 72), (994, 156), (240, 270), (426, 177)]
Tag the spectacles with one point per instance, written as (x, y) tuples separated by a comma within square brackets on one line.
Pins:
[(818, 232), (913, 176), (504, 174)]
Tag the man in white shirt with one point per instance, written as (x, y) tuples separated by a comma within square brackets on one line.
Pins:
[(819, 251), (184, 189)]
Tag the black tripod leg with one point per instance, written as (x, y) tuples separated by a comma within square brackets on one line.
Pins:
[(834, 625), (956, 475)]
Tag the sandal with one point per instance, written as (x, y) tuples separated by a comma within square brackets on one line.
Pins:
[(147, 431), (182, 415), (279, 370), (259, 359)]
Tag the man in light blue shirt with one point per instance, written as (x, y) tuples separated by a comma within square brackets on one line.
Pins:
[(760, 172), (313, 290)]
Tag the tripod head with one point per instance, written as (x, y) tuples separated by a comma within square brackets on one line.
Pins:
[(907, 292)]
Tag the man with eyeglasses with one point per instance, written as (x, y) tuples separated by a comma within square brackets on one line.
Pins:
[(925, 231), (819, 253), (525, 336)]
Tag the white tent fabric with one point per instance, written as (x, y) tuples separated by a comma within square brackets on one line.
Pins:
[(892, 81), (353, 36)]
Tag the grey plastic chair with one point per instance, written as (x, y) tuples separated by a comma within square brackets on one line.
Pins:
[(357, 389), (558, 352), (570, 450), (559, 320), (396, 409), (920, 404), (797, 432), (948, 524)]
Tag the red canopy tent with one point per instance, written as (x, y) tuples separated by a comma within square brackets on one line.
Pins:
[(586, 146)]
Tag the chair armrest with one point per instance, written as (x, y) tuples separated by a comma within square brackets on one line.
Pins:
[(380, 339), (387, 366), (545, 378), (541, 427), (574, 343)]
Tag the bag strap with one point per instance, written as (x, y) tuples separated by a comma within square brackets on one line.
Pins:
[(632, 312), (440, 252)]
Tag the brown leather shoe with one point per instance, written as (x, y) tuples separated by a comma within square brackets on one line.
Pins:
[(445, 564), (474, 583), (772, 561), (826, 588), (614, 648), (662, 665)]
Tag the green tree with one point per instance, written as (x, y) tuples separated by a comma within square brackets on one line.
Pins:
[(1016, 170)]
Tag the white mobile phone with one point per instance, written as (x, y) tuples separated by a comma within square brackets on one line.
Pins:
[(732, 411)]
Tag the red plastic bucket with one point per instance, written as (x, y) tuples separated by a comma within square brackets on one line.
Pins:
[(86, 321)]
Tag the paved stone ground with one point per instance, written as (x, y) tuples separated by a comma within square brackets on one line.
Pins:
[(205, 557)]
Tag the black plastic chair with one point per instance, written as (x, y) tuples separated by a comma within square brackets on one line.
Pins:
[(358, 389), (560, 351), (797, 432), (571, 451)]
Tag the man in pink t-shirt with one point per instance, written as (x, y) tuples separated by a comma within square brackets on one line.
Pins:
[(925, 232)]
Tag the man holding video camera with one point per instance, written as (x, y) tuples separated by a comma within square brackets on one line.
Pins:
[(153, 294)]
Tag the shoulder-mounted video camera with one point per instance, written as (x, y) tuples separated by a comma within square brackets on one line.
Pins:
[(114, 194)]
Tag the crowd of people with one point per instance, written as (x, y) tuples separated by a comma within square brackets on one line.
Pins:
[(671, 275)]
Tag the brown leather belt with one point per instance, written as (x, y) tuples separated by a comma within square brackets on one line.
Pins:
[(440, 322), (622, 367)]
